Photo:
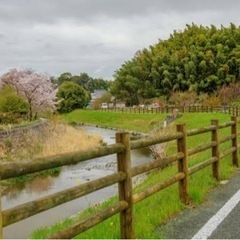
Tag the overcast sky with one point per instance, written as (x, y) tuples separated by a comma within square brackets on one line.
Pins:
[(96, 36)]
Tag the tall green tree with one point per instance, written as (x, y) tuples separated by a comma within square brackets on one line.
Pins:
[(200, 59), (85, 81), (71, 96)]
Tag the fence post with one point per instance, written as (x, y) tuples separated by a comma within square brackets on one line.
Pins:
[(234, 130), (183, 164), (1, 226), (125, 187), (215, 150)]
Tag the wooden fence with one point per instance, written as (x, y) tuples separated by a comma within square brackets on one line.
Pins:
[(231, 110), (123, 176)]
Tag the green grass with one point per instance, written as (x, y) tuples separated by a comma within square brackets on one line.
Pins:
[(134, 122), (155, 210)]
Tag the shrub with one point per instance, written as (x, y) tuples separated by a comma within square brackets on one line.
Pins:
[(12, 107), (71, 96), (10, 102), (183, 98)]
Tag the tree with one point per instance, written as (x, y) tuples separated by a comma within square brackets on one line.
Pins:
[(88, 83), (198, 58), (71, 96), (64, 77), (37, 89), (83, 80)]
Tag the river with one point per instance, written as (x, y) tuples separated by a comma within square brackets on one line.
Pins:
[(69, 176)]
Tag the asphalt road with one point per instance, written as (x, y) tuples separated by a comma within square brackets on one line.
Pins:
[(217, 218)]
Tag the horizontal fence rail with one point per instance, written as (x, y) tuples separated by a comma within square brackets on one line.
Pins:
[(26, 210), (10, 169), (121, 151)]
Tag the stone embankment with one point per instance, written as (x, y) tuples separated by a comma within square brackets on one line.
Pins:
[(10, 132)]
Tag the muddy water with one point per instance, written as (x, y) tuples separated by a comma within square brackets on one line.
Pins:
[(69, 176)]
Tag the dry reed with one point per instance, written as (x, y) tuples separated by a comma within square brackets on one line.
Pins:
[(54, 138)]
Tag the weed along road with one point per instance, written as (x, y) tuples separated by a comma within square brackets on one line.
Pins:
[(217, 218)]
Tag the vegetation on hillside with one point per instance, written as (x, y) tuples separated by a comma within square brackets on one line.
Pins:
[(199, 59), (84, 80)]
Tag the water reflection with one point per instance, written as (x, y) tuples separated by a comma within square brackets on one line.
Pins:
[(37, 184)]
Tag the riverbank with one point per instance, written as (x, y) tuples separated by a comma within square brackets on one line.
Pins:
[(127, 122), (69, 176), (43, 139), (156, 209)]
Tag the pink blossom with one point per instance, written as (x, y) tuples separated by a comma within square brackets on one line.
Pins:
[(37, 89)]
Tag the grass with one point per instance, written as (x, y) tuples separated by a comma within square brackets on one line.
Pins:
[(155, 210), (62, 138), (134, 122), (54, 138)]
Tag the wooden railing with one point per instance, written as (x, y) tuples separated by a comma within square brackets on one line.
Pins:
[(231, 110), (123, 176)]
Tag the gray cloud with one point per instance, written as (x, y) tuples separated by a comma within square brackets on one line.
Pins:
[(95, 36), (85, 10)]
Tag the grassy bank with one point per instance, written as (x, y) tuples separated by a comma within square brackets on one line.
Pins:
[(53, 138), (155, 210), (134, 122)]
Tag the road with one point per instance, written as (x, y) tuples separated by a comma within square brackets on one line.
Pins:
[(217, 218)]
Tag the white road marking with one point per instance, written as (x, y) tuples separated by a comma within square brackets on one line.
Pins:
[(213, 222)]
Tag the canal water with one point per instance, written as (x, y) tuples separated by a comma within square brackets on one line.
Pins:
[(69, 176)]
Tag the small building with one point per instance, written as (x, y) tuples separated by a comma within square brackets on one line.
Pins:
[(95, 95)]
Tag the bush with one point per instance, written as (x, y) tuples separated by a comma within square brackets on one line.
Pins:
[(183, 98), (71, 96), (10, 102)]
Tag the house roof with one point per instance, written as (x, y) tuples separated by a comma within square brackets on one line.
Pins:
[(97, 93)]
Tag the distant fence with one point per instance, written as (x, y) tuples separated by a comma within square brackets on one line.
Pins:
[(231, 110), (123, 175)]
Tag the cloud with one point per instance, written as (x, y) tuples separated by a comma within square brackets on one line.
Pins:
[(96, 36)]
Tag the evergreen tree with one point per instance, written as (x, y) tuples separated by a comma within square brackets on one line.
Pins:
[(198, 58)]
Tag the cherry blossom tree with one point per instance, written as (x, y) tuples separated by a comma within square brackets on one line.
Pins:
[(37, 89)]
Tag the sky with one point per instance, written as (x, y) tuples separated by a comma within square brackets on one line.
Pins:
[(96, 36)]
